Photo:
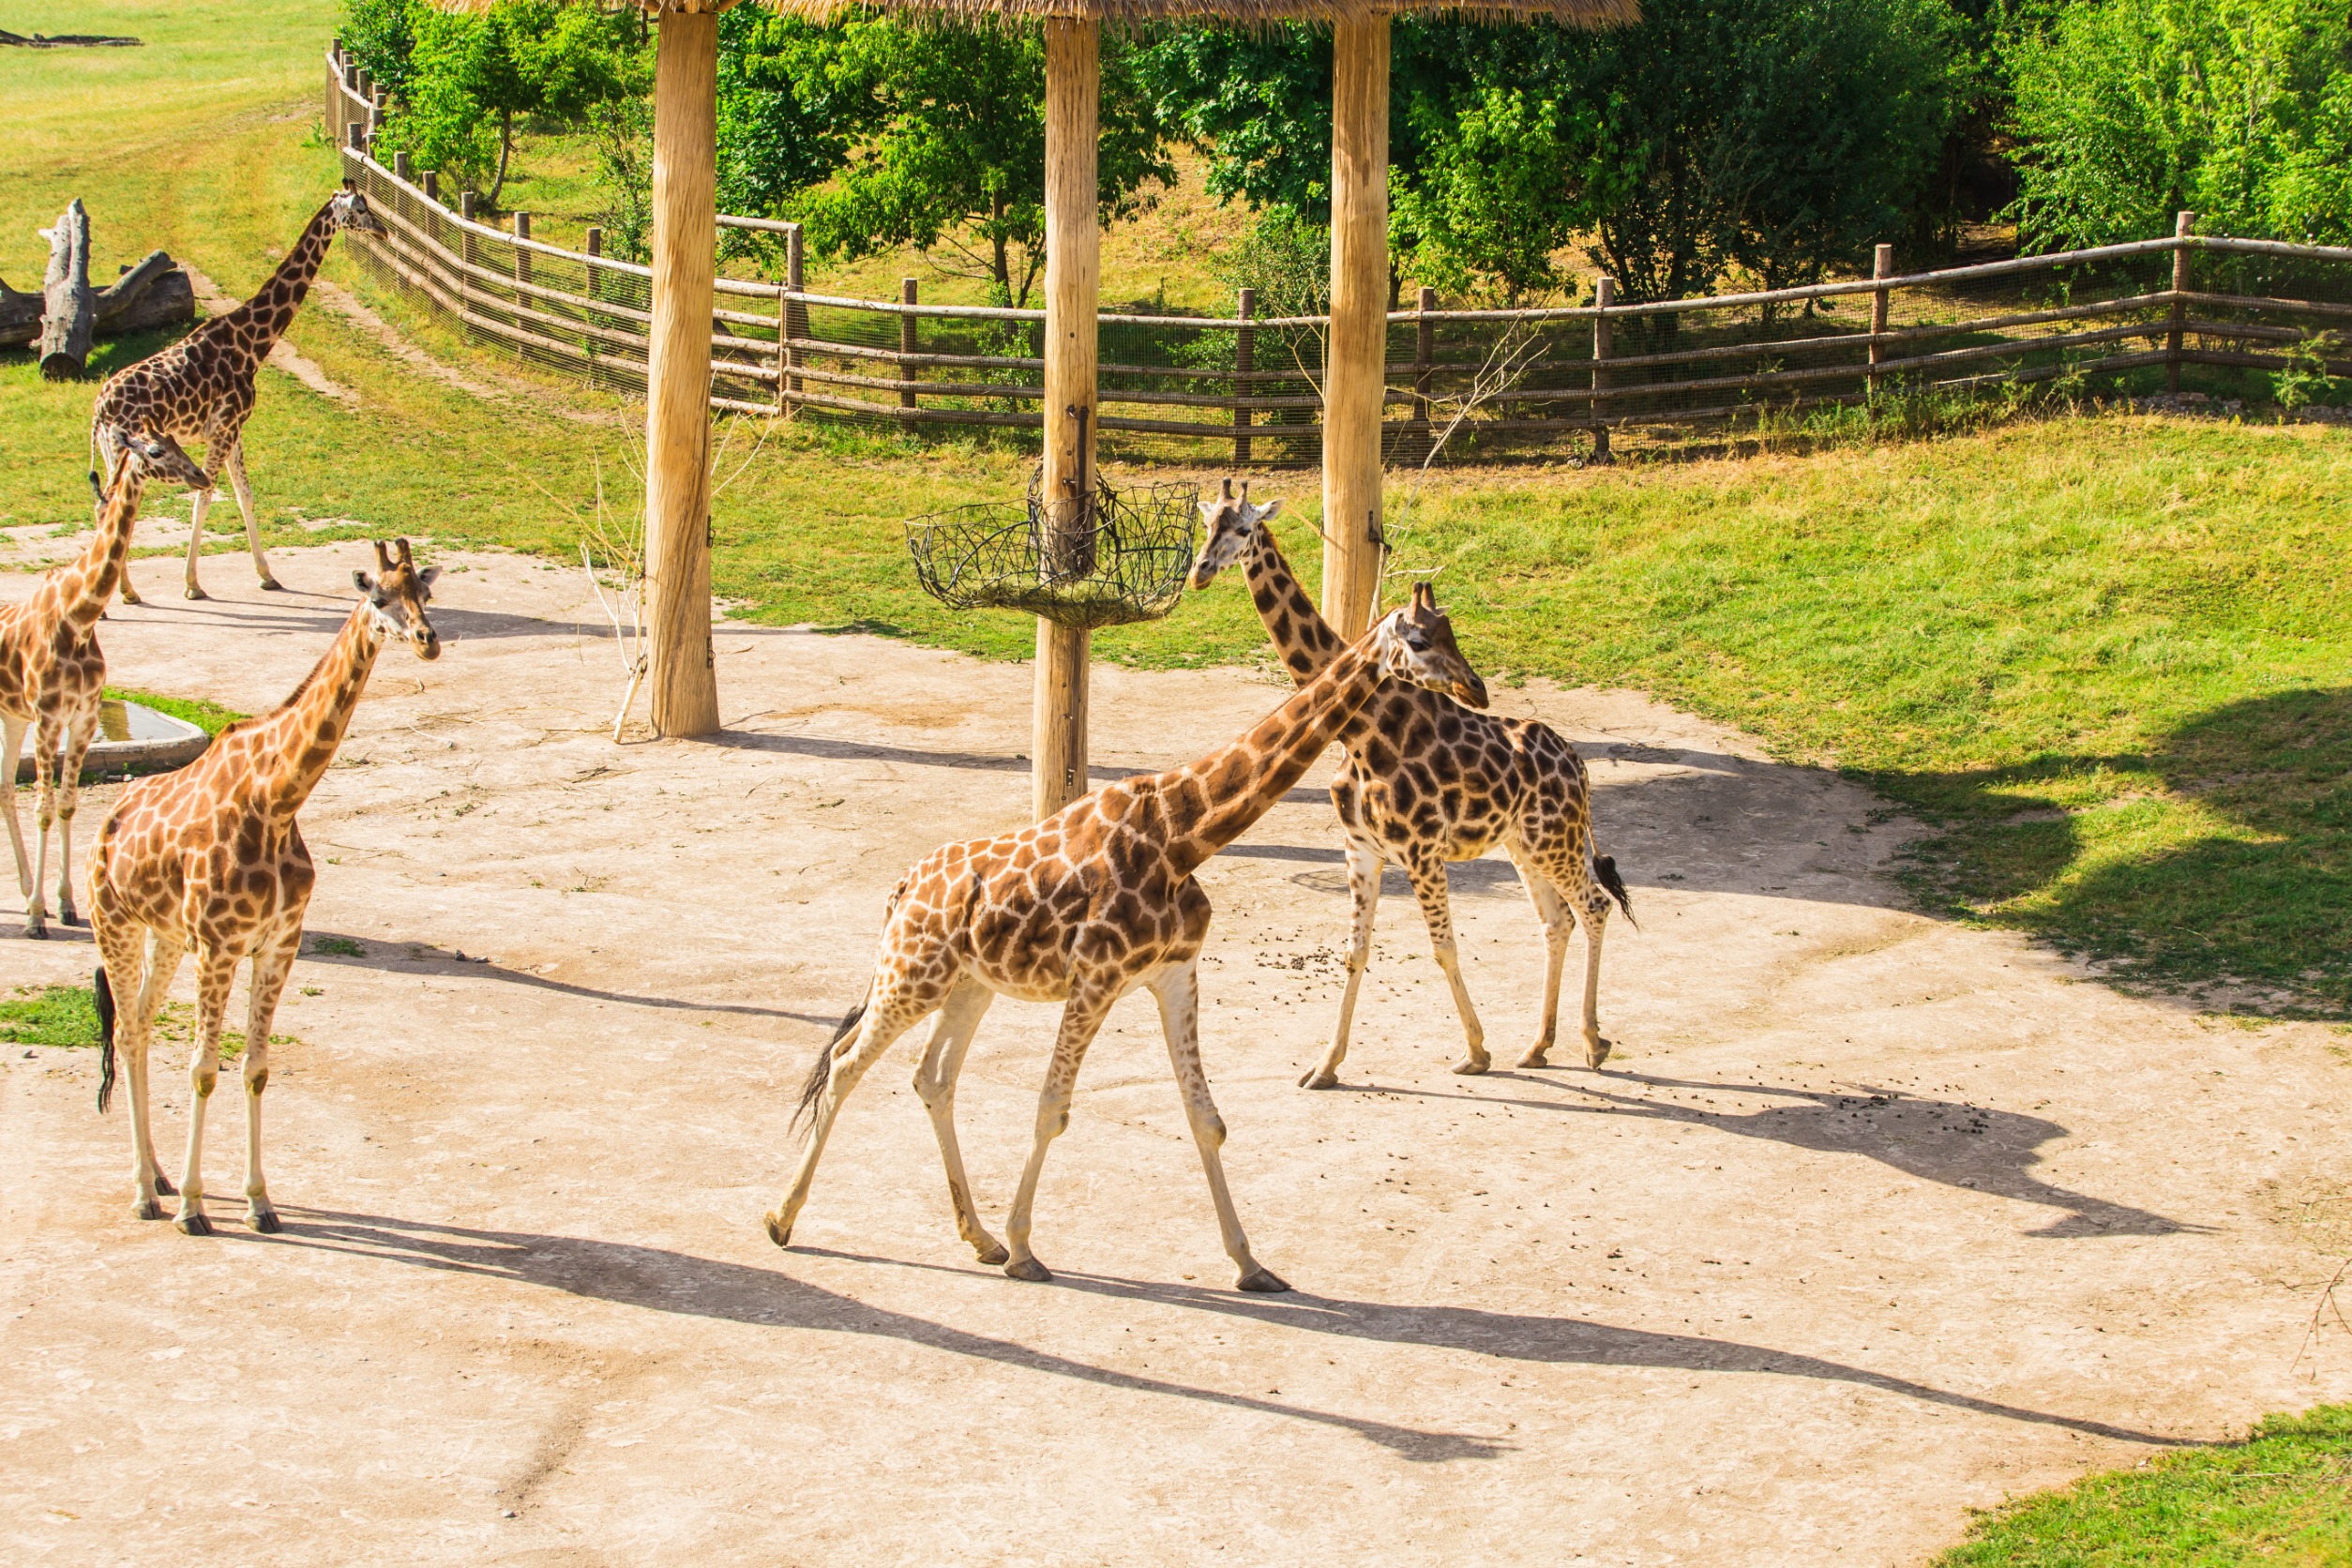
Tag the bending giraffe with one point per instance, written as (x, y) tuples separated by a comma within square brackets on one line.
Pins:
[(1427, 781), (1083, 908), (211, 857), (202, 387), (52, 673)]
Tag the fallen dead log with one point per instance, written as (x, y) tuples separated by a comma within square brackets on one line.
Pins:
[(156, 292), (70, 317), (67, 40)]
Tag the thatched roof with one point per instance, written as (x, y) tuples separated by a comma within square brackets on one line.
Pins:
[(1579, 13)]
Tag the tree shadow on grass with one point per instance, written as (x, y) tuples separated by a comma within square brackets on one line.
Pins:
[(2219, 857)]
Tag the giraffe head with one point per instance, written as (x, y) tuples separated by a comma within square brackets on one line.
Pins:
[(1235, 527), (153, 457), (396, 594), (348, 209), (1416, 645)]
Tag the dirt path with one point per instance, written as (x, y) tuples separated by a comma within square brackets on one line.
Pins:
[(1871, 1219)]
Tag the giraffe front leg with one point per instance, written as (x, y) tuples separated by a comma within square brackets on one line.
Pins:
[(196, 536), (1178, 992), (11, 749), (1082, 1017), (1428, 873), (252, 518), (215, 971), (1551, 911), (935, 1083), (1366, 867), (69, 789), (46, 758), (270, 969), (838, 1072)]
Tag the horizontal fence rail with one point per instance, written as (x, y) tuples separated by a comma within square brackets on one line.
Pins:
[(1247, 390)]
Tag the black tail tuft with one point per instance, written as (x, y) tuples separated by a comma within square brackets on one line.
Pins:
[(812, 1089), (104, 994), (1605, 868)]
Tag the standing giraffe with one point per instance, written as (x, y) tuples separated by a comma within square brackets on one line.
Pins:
[(53, 676), (1083, 908), (210, 857), (1427, 781), (202, 387)]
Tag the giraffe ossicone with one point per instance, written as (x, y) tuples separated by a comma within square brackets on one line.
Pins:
[(210, 860), (1083, 908), (203, 387), (1427, 781), (52, 675)]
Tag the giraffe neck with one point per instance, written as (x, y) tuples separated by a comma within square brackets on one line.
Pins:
[(1240, 782), (1297, 630), (91, 582), (261, 321), (300, 739)]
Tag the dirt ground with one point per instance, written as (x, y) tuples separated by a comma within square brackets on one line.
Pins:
[(1870, 1221)]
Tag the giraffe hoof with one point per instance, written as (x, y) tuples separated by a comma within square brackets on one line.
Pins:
[(1536, 1058), (271, 585), (263, 1222), (163, 1186), (129, 597), (1028, 1269), (36, 930), (196, 593), (993, 1253), (147, 1208), (1596, 1051), (778, 1232), (192, 1224), (1262, 1282), (1471, 1066), (1322, 1078)]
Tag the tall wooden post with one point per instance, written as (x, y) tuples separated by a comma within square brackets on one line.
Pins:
[(2183, 225), (909, 293), (1881, 266), (1425, 350), (1355, 363), (1603, 345), (678, 372), (1244, 361), (592, 282), (1066, 491), (795, 313)]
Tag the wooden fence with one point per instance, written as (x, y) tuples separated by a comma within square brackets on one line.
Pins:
[(1247, 389)]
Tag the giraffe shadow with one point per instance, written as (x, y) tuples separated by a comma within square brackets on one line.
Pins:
[(380, 956), (1536, 1338), (658, 1281), (1947, 1143), (835, 749)]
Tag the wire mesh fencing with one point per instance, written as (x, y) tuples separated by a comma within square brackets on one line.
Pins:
[(1459, 384)]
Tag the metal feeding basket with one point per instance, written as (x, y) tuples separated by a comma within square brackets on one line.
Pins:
[(1125, 560)]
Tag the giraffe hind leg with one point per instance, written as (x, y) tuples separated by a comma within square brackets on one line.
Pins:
[(252, 518), (845, 1062), (46, 756), (12, 748), (1551, 911)]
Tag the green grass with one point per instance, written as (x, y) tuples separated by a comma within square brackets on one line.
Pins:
[(2284, 1496), (211, 718), (49, 1016), (2108, 658)]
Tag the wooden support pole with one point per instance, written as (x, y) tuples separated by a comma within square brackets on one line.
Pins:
[(1425, 350), (909, 293), (795, 312), (1881, 266), (1603, 345), (430, 185), (684, 684), (522, 256), (1067, 484), (2183, 225), (595, 279), (1355, 363), (1245, 359), (399, 166)]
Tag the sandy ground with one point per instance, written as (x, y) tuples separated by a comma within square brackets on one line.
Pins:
[(1870, 1221)]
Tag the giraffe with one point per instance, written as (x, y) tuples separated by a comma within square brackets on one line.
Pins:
[(1427, 781), (211, 857), (1081, 909), (52, 673), (202, 387)]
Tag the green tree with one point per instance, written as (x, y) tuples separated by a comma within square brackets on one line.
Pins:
[(378, 36), (2128, 110)]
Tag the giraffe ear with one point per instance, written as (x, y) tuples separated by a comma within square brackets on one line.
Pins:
[(364, 583), (425, 579)]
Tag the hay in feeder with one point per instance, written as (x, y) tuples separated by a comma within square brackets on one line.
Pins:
[(1125, 560)]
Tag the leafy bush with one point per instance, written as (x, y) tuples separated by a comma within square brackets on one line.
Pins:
[(2128, 110)]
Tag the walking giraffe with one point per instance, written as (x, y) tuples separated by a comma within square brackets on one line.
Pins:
[(202, 387), (211, 857), (1083, 908), (1427, 781), (53, 676)]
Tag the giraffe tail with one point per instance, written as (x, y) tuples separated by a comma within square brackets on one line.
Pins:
[(812, 1088), (103, 993), (1605, 868)]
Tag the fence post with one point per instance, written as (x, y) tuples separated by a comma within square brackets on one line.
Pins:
[(468, 251), (429, 183), (375, 113), (351, 76), (2183, 225), (399, 166), (1425, 350), (1881, 266), (1244, 361), (795, 311), (595, 247), (365, 83), (1604, 343), (907, 296), (523, 257)]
